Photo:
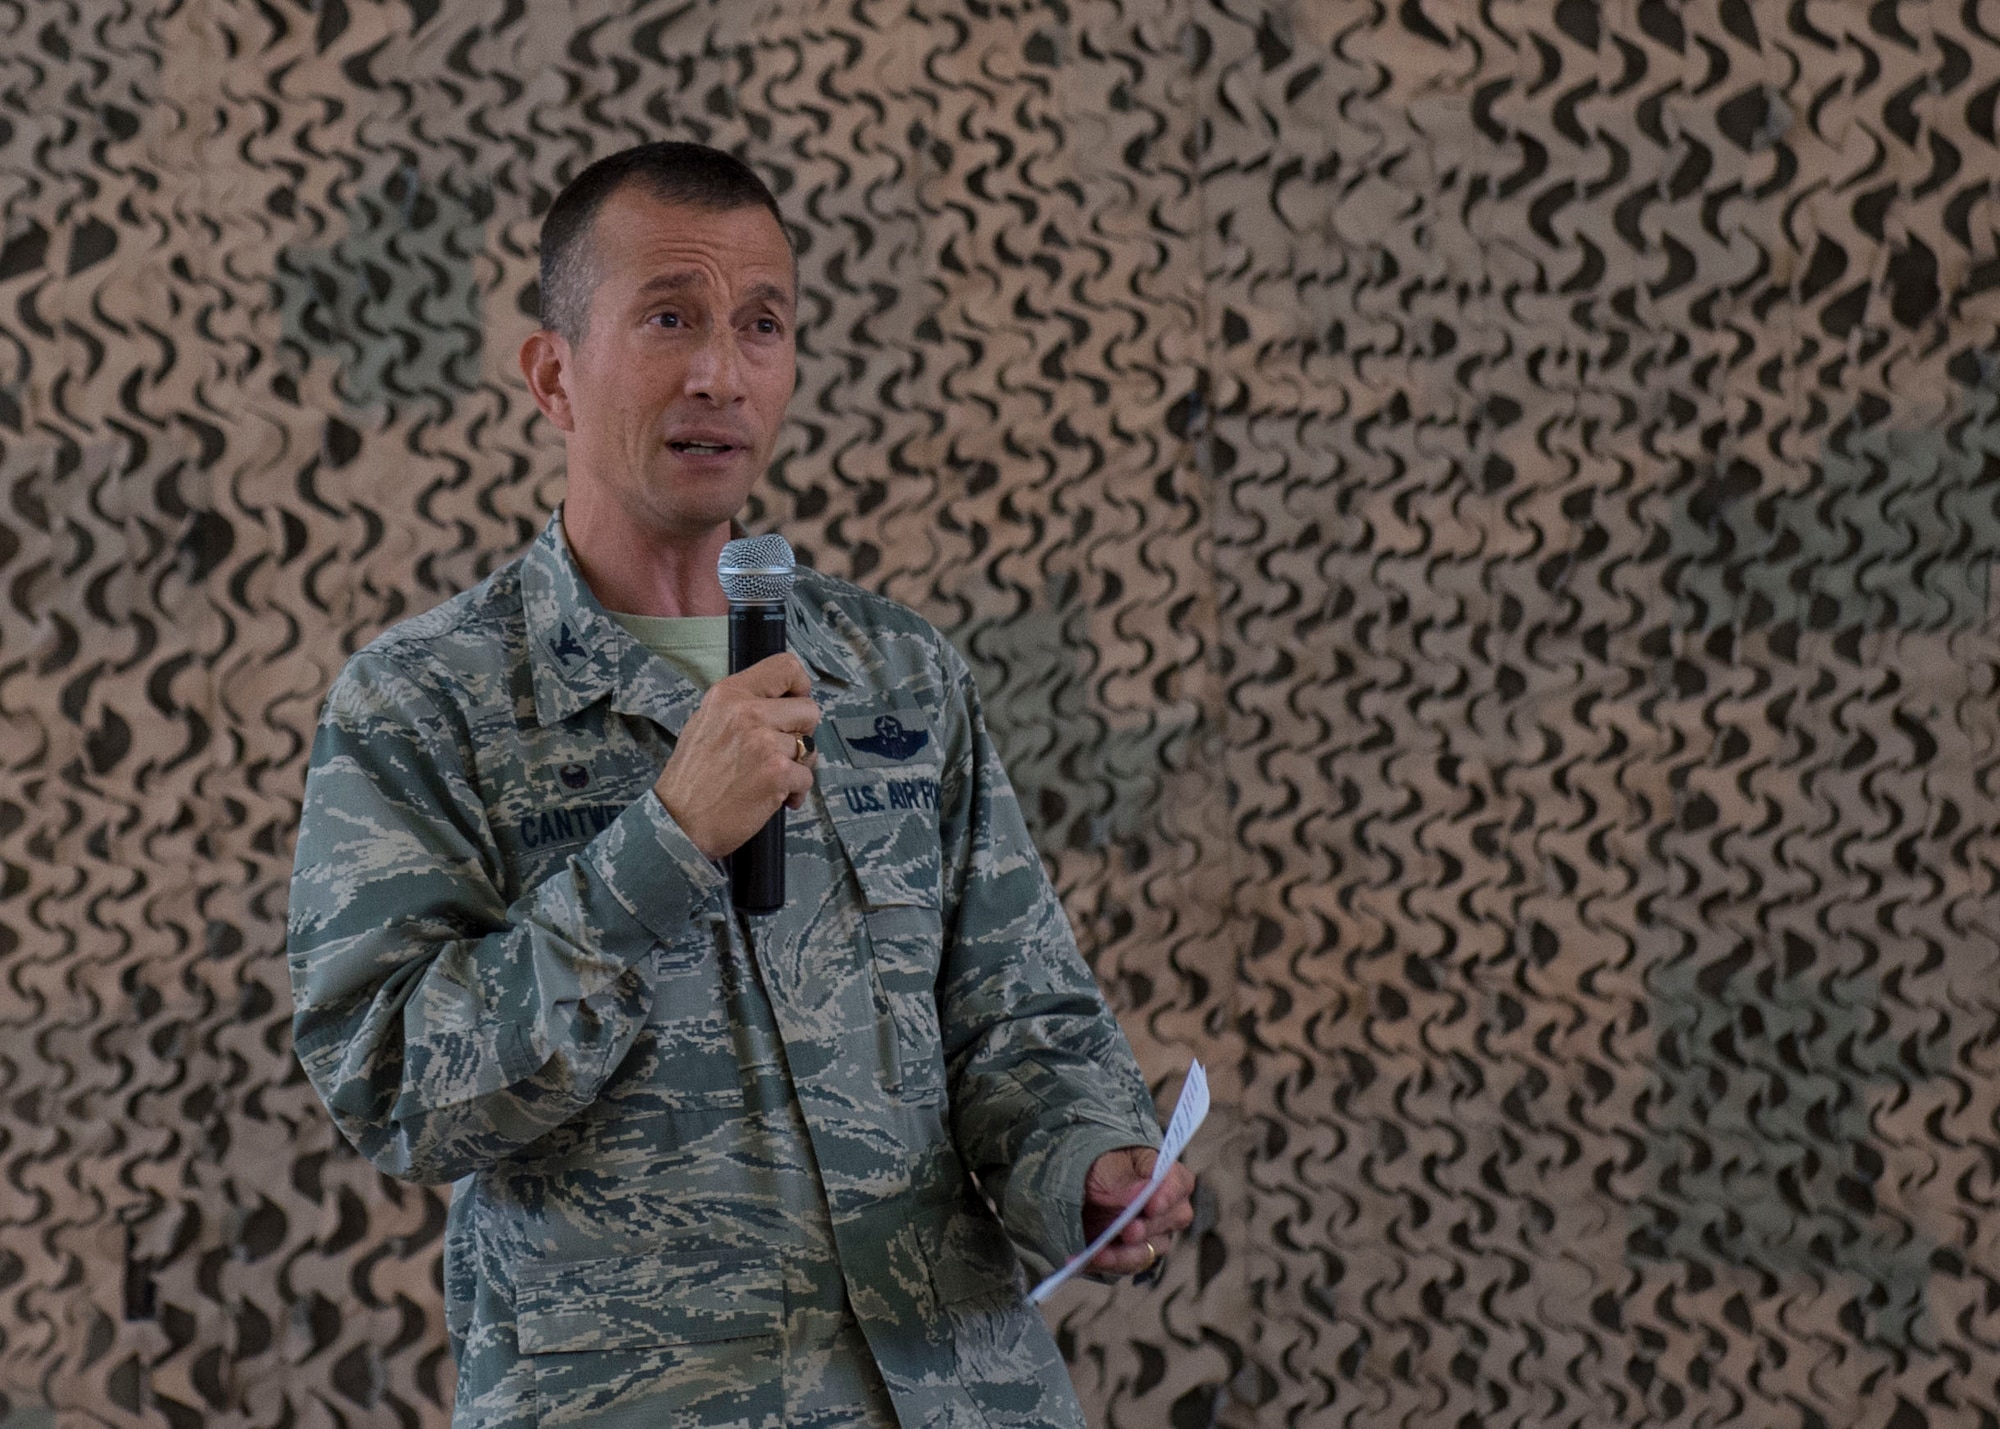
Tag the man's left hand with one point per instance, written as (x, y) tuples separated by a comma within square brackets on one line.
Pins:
[(1114, 1179)]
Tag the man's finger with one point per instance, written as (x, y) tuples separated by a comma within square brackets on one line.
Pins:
[(776, 676), (1120, 1260), (1114, 1195), (790, 715), (1173, 1222), (1133, 1259), (1174, 1191)]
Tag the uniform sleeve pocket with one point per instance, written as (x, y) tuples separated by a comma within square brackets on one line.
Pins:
[(904, 946), (886, 820), (633, 1302), (888, 824)]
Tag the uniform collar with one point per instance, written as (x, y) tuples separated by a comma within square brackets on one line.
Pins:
[(832, 646), (579, 654)]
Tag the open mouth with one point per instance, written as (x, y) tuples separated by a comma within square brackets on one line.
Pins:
[(700, 448)]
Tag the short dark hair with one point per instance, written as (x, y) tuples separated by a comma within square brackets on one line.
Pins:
[(669, 170)]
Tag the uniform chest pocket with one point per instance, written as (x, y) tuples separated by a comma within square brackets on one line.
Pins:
[(887, 823)]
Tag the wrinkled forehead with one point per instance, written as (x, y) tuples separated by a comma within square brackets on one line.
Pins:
[(692, 248)]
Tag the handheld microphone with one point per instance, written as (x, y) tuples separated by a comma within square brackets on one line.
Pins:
[(756, 574)]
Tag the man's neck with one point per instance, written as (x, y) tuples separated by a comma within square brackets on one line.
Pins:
[(637, 572)]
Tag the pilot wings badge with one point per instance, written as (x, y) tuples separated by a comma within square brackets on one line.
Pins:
[(891, 740)]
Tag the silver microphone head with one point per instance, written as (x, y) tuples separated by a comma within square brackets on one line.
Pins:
[(756, 570)]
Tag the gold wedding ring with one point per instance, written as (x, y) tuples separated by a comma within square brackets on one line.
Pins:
[(805, 747), (1152, 1258)]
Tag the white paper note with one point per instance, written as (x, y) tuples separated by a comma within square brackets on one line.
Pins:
[(1188, 1114)]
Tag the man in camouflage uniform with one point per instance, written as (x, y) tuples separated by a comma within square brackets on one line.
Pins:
[(711, 1169)]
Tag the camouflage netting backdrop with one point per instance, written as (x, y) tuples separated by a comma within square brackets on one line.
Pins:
[(1475, 520)]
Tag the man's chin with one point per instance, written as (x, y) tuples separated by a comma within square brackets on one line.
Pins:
[(700, 521), (701, 500)]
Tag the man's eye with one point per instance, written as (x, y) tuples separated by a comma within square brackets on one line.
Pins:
[(667, 319)]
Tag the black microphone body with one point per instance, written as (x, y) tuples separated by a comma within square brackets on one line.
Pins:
[(757, 869), (756, 575)]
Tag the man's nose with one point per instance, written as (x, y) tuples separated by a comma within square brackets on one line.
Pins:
[(716, 371)]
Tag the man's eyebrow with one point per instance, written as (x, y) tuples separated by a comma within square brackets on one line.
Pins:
[(678, 282), (772, 293), (668, 284)]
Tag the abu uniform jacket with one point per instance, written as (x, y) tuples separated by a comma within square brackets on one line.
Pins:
[(710, 1169)]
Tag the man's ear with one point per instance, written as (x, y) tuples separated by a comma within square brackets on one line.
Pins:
[(545, 363)]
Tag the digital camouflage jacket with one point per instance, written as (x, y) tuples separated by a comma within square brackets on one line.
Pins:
[(708, 1166)]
